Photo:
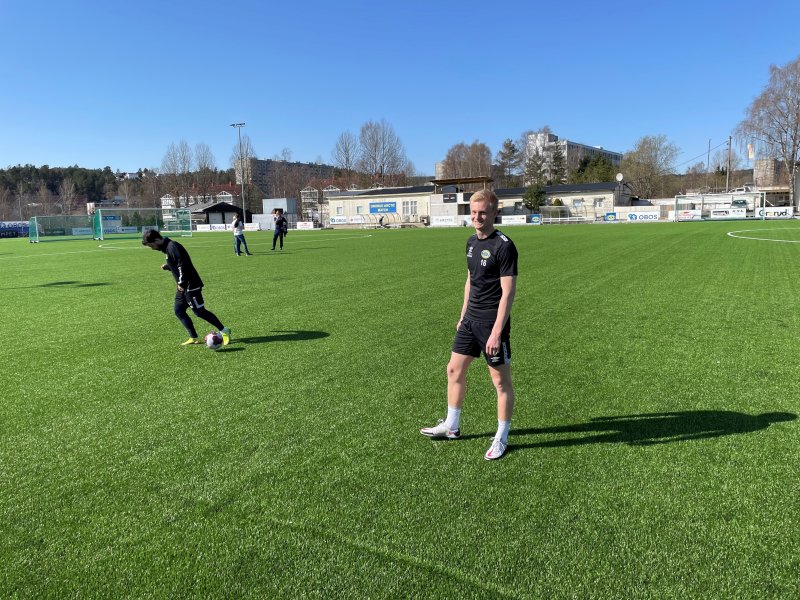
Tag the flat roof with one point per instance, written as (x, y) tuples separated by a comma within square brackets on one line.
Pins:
[(457, 180)]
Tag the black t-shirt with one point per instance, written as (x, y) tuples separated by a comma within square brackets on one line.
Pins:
[(181, 265), (488, 260)]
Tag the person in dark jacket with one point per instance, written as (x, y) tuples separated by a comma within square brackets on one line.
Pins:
[(281, 228), (190, 286)]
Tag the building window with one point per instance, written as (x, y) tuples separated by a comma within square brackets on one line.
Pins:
[(409, 207), (339, 210), (359, 210), (599, 202)]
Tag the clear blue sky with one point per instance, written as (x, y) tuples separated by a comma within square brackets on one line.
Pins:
[(113, 84)]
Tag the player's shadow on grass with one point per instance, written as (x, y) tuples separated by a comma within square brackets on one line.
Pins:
[(652, 428), (284, 336), (60, 284), (71, 284)]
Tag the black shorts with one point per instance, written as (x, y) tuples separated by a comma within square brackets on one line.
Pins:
[(471, 340), (190, 298)]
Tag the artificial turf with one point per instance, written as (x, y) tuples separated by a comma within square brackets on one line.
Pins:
[(653, 453)]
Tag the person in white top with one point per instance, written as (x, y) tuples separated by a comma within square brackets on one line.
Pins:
[(238, 235)]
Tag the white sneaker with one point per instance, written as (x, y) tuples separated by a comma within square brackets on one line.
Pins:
[(440, 430), (496, 450)]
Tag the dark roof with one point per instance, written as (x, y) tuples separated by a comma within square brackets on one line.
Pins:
[(510, 192), (606, 186), (205, 207), (464, 180)]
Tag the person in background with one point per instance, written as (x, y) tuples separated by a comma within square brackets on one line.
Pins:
[(238, 235), (281, 228)]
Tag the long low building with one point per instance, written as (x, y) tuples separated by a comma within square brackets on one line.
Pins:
[(446, 205)]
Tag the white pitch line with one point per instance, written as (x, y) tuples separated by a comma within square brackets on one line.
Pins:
[(759, 239), (102, 247)]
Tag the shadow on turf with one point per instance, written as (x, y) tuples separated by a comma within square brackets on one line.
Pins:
[(76, 284), (649, 429), (285, 336)]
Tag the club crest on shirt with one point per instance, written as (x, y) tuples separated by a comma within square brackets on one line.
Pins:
[(485, 254)]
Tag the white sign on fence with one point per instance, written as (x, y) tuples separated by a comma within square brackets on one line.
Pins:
[(644, 217), (305, 225), (334, 220), (686, 215), (513, 220), (775, 212), (443, 221), (728, 213)]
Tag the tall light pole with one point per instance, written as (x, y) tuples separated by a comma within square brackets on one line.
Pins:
[(241, 168)]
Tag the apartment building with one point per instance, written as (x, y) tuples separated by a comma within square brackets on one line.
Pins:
[(545, 143)]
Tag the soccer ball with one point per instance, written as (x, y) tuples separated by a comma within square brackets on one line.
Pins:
[(214, 340)]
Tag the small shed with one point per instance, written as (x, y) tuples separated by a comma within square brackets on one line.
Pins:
[(217, 213)]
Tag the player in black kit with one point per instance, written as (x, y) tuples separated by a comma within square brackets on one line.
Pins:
[(485, 323), (190, 286)]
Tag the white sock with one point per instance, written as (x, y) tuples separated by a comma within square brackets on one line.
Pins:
[(502, 431), (453, 416)]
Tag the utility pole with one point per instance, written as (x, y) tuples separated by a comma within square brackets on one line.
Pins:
[(728, 170), (241, 168)]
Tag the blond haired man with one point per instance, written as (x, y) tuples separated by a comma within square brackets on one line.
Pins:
[(485, 323)]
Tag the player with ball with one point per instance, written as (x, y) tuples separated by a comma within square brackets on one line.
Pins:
[(190, 286)]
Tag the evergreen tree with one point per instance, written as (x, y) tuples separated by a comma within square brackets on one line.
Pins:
[(508, 161), (558, 166)]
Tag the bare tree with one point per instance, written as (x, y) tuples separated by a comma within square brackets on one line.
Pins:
[(23, 199), (171, 170), (382, 154), (648, 163), (696, 178), (66, 193), (772, 124), (206, 165), (345, 154), (44, 198), (242, 162), (462, 161), (6, 205), (242, 156), (203, 157)]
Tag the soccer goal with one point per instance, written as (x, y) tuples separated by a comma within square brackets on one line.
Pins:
[(178, 220), (132, 222), (52, 227)]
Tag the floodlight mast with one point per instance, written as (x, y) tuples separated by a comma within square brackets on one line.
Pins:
[(241, 168)]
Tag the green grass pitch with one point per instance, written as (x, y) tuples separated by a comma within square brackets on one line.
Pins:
[(645, 458)]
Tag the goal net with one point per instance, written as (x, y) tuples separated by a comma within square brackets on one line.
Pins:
[(132, 222), (45, 228), (731, 205)]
